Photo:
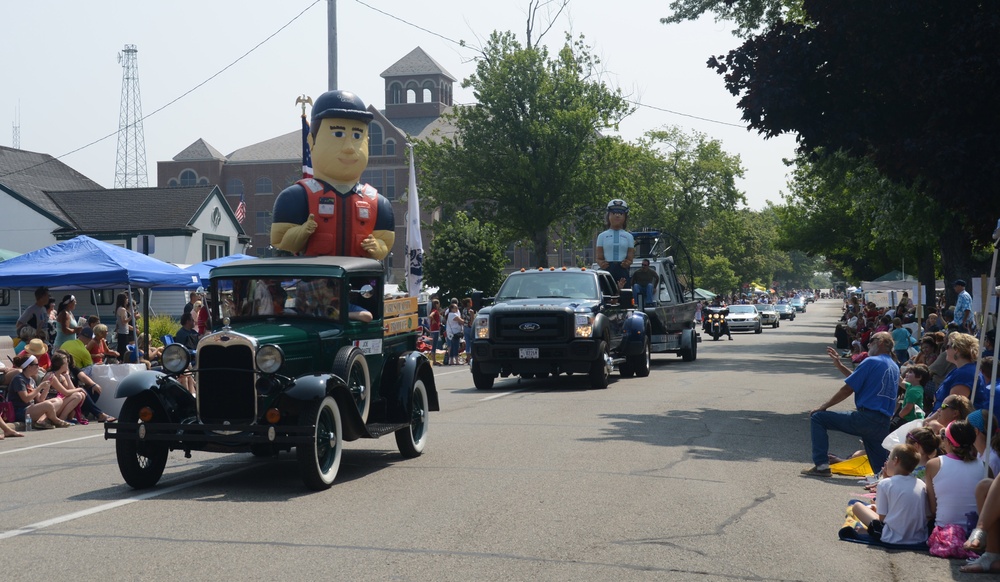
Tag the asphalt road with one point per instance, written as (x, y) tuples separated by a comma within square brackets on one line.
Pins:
[(689, 474)]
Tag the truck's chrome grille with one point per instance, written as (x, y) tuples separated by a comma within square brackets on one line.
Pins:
[(518, 328)]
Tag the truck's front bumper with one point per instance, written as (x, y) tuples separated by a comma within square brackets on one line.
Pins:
[(201, 436), (577, 356)]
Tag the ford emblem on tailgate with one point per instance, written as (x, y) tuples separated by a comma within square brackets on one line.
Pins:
[(529, 326)]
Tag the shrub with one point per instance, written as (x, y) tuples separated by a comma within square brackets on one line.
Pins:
[(160, 326)]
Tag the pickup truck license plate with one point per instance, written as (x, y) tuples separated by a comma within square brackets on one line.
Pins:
[(528, 353)]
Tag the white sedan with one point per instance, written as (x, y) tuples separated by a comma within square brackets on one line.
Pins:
[(744, 318)]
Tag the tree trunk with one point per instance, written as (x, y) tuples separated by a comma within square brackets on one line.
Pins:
[(540, 244)]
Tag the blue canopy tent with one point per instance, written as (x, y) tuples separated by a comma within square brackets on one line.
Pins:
[(86, 263), (205, 267)]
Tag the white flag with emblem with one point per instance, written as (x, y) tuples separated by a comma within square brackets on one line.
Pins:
[(414, 242)]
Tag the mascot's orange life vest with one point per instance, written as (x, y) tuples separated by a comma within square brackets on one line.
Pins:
[(342, 222)]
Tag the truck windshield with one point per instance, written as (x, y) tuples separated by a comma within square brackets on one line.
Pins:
[(318, 297), (530, 285)]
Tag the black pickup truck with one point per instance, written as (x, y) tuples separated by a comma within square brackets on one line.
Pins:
[(559, 320)]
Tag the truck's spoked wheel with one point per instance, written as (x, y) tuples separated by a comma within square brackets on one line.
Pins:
[(319, 460), (141, 463), (350, 364), (411, 441)]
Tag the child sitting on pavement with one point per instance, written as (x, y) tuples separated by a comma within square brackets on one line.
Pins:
[(900, 515), (912, 382)]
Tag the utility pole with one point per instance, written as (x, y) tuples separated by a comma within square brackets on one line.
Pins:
[(130, 165), (331, 40)]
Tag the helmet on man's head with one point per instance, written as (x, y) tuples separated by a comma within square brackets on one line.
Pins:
[(340, 104), (618, 205)]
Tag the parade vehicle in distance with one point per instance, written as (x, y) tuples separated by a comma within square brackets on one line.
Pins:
[(554, 321), (768, 314), (672, 312), (744, 317), (295, 363)]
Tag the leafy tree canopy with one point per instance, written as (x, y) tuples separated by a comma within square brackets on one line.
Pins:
[(529, 155), (689, 178), (464, 255), (749, 16), (906, 85)]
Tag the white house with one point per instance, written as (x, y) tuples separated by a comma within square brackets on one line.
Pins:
[(44, 201)]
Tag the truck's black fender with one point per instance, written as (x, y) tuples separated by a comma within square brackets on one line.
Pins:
[(173, 398), (634, 333), (314, 387), (138, 382), (410, 367)]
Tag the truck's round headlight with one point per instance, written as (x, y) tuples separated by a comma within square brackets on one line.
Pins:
[(269, 359), (175, 358)]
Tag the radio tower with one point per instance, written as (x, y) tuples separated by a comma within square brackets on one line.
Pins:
[(130, 166), (16, 138)]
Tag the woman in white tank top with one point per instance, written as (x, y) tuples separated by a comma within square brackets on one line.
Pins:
[(952, 478)]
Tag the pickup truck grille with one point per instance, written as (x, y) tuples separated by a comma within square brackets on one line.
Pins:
[(552, 327), (226, 379)]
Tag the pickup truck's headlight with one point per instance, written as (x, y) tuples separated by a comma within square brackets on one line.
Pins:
[(481, 327), (584, 325), (269, 359), (175, 358)]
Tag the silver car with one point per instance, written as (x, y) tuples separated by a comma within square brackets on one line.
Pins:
[(744, 318), (768, 314), (785, 311)]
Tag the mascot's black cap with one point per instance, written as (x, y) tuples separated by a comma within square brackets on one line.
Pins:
[(343, 104)]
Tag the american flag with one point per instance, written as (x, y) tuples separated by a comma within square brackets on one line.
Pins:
[(241, 209), (307, 163)]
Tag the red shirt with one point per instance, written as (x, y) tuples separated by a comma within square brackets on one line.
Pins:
[(435, 320), (44, 362)]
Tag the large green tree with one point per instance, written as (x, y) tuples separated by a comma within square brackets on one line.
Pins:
[(464, 255), (529, 155), (689, 179), (906, 86), (845, 209)]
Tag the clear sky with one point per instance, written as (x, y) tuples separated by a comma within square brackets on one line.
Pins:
[(59, 69)]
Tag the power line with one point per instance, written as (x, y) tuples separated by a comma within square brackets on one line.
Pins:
[(408, 23), (175, 100), (638, 104)]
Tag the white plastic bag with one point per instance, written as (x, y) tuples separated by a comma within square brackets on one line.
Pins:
[(898, 436)]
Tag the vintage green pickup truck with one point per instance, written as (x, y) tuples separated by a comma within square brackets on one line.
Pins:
[(306, 355)]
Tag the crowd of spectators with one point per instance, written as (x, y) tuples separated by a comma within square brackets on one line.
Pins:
[(923, 413), (49, 379)]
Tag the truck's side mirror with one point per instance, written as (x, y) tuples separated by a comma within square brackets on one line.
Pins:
[(366, 291)]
